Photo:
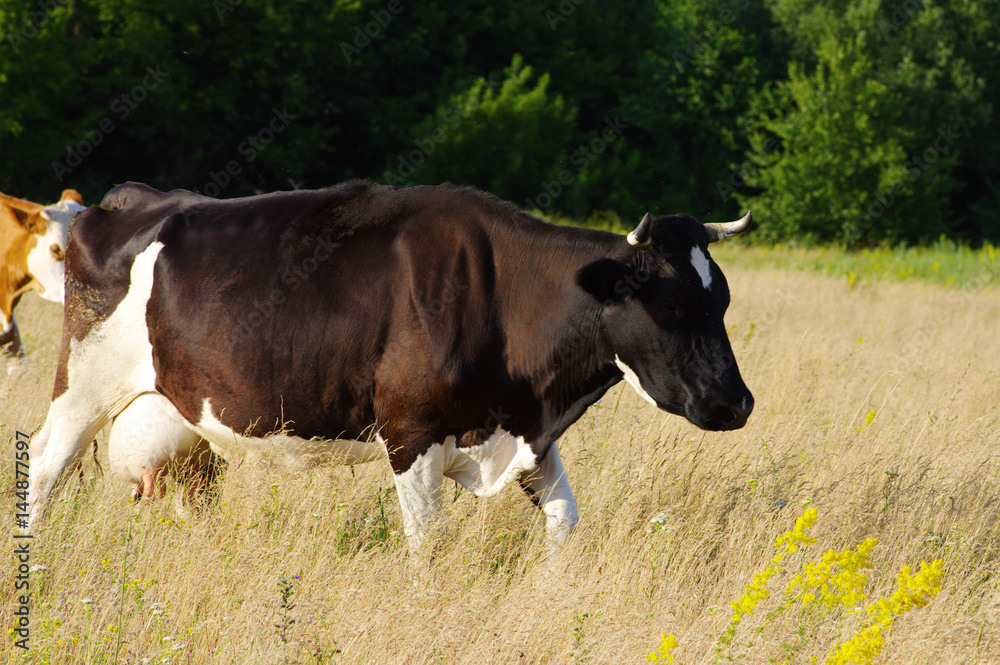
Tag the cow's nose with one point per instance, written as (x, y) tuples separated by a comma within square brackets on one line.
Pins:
[(740, 412), (723, 418)]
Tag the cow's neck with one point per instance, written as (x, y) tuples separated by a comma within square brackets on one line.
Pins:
[(563, 358)]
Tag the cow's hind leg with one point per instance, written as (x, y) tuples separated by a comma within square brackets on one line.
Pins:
[(102, 368), (548, 487), (71, 425)]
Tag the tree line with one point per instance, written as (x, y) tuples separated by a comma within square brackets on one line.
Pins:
[(858, 122)]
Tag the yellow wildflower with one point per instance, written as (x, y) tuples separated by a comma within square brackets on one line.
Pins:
[(798, 537), (836, 577), (914, 591), (667, 644)]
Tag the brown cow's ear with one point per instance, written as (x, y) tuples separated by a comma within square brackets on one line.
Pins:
[(33, 222), (71, 195), (20, 215), (20, 204)]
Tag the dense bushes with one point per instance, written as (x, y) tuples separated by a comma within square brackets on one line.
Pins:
[(855, 121)]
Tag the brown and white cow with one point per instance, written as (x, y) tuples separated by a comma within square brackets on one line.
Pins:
[(32, 246), (437, 326), (145, 440)]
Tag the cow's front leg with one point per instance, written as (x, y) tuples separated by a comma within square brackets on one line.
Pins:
[(418, 483), (549, 489)]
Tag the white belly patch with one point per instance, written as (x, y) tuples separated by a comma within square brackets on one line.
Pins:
[(491, 466), (293, 451)]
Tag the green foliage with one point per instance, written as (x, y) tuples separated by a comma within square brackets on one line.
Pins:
[(695, 84), (853, 121), (522, 127), (861, 143)]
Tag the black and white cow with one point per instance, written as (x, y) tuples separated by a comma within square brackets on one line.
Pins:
[(438, 326)]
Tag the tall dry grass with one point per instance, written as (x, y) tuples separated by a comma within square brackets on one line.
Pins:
[(876, 404)]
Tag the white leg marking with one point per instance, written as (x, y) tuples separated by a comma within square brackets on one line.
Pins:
[(488, 468), (633, 380), (419, 490), (555, 498), (106, 371), (704, 268)]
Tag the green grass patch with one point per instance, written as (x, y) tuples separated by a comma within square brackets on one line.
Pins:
[(945, 262)]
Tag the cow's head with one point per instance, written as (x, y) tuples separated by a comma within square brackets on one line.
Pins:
[(663, 301), (45, 244)]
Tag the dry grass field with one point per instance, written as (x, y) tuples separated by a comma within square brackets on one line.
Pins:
[(877, 404)]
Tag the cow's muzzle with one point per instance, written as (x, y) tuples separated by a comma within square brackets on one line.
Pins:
[(725, 418)]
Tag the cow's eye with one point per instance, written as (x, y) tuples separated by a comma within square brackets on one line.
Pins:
[(668, 304), (57, 252)]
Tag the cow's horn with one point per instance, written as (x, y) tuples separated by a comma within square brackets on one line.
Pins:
[(640, 237), (729, 229)]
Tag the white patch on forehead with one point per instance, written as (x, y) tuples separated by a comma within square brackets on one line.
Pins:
[(633, 380), (702, 265), (293, 451)]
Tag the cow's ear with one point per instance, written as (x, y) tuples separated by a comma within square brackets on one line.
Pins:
[(71, 195), (35, 223), (26, 219), (604, 280)]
